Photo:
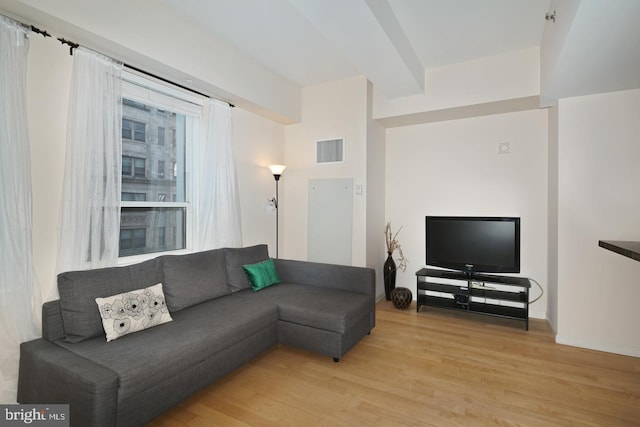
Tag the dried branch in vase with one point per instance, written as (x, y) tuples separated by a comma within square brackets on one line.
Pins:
[(393, 245)]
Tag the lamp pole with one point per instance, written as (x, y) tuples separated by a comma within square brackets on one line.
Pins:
[(277, 170), (277, 178)]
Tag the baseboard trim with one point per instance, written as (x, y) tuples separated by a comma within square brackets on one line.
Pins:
[(582, 343), (538, 315)]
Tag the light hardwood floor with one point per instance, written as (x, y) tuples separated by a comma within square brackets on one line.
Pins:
[(436, 368)]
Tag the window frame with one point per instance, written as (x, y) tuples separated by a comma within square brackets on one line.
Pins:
[(161, 95), (133, 130), (132, 171)]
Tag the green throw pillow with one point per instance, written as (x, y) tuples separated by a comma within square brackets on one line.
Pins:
[(261, 274)]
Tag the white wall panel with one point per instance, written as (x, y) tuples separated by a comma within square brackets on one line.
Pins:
[(330, 220)]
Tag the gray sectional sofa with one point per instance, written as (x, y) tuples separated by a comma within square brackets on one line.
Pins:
[(218, 324)]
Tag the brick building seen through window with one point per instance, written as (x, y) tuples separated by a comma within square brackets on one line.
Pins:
[(149, 222)]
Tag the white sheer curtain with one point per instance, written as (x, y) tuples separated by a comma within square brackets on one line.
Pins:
[(19, 298), (217, 202), (89, 230)]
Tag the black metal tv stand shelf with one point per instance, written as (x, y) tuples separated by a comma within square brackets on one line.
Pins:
[(502, 296)]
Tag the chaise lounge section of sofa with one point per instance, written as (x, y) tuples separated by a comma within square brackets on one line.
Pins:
[(218, 324)]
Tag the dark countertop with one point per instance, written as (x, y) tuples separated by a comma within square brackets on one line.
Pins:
[(628, 249)]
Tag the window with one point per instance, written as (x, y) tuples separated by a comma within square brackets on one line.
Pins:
[(127, 166), (131, 129), (151, 222), (139, 168), (133, 166), (133, 197), (132, 239), (160, 135), (162, 231), (160, 168)]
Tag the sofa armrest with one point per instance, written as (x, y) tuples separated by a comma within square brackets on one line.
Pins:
[(52, 374), (343, 277)]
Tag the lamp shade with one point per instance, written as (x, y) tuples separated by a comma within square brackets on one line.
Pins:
[(277, 169)]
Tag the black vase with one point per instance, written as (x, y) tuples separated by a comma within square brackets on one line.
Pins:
[(389, 276)]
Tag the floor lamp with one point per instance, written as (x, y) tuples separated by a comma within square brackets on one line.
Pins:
[(277, 170)]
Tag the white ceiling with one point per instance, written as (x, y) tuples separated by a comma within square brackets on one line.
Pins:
[(391, 42), (592, 46)]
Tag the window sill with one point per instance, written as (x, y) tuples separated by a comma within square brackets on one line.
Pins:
[(135, 259)]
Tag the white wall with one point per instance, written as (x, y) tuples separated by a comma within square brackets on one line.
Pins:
[(493, 78), (598, 290), (375, 192), (452, 168), (552, 232), (258, 142), (333, 110), (552, 46), (591, 47)]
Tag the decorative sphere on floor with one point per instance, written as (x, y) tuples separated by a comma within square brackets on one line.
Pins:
[(401, 298)]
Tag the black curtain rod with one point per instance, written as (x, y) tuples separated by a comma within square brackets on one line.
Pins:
[(43, 33), (73, 46), (146, 73)]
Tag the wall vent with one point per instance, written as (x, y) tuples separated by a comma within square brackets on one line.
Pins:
[(330, 151)]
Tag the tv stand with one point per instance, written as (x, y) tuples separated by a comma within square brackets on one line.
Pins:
[(502, 296)]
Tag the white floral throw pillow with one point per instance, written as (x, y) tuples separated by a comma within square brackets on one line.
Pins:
[(133, 311)]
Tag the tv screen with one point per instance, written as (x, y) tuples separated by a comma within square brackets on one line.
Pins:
[(474, 244)]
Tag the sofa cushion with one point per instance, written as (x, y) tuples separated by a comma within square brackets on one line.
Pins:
[(133, 311), (194, 278), (79, 289), (261, 274), (322, 308), (235, 258), (146, 359)]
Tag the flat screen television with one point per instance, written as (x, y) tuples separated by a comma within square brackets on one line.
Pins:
[(473, 244)]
